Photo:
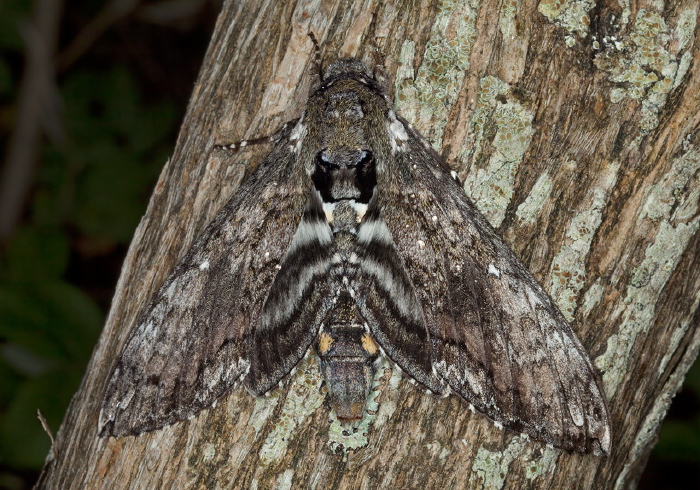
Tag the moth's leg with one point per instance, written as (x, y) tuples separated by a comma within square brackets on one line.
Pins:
[(380, 70), (238, 145), (234, 147)]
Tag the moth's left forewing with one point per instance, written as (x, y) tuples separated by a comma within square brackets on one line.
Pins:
[(496, 337), (296, 304), (191, 345)]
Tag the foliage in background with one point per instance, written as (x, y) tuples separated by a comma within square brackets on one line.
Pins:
[(58, 271), (92, 189), (121, 108)]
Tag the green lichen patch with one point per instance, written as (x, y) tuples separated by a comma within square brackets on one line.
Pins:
[(390, 393), (284, 481), (649, 430), (263, 409), (531, 207), (540, 462), (642, 63), (571, 15), (568, 273), (506, 21), (507, 125), (303, 398), (491, 467), (209, 452), (427, 99), (638, 308), (669, 194), (592, 297)]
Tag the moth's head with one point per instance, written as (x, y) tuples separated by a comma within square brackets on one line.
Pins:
[(342, 114)]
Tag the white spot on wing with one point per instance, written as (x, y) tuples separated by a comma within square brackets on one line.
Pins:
[(204, 266), (398, 130), (297, 135), (494, 271)]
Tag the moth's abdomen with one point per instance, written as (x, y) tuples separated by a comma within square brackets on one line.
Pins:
[(347, 353)]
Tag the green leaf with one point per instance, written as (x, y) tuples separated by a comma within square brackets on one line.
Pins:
[(10, 382), (101, 180), (37, 253), (12, 14), (53, 320), (6, 82), (692, 379), (679, 441), (23, 442)]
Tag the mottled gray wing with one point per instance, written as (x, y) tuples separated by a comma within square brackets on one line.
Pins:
[(207, 326), (387, 301), (496, 338)]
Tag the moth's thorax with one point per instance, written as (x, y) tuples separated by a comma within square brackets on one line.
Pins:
[(347, 104), (342, 117)]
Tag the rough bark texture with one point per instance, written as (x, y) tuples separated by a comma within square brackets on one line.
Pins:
[(575, 128)]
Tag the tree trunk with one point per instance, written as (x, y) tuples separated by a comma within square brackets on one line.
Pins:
[(575, 129)]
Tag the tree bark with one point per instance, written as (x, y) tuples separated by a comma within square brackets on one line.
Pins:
[(575, 128)]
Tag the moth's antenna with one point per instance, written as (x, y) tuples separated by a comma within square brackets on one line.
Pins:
[(380, 69), (318, 60)]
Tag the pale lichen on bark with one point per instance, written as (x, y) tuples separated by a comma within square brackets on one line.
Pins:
[(503, 123), (644, 64), (492, 466), (531, 207), (571, 15), (568, 270), (637, 310), (303, 398), (647, 434), (592, 297), (426, 100)]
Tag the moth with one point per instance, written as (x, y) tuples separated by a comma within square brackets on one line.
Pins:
[(352, 237)]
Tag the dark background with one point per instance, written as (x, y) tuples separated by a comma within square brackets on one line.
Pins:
[(111, 100)]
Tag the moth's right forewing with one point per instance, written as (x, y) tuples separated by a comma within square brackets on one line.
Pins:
[(496, 337), (191, 345)]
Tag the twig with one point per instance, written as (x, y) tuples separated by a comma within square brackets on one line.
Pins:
[(53, 454), (38, 106)]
